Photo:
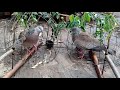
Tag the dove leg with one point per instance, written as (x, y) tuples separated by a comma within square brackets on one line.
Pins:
[(28, 51), (35, 47), (80, 53)]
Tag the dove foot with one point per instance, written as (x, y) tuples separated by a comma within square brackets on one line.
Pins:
[(35, 47), (81, 56), (28, 51), (80, 53)]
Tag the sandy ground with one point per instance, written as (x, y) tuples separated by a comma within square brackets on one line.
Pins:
[(62, 62)]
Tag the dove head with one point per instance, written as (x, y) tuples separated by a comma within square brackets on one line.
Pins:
[(75, 31), (39, 29)]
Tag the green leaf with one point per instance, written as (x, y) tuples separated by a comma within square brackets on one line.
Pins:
[(18, 15), (57, 16), (53, 14), (44, 14), (25, 17), (35, 13), (77, 20), (22, 22), (82, 23), (109, 23), (71, 18), (25, 22), (86, 17), (34, 18), (15, 13), (40, 13)]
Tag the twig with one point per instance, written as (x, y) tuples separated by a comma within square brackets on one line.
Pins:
[(6, 54), (96, 63), (112, 65), (103, 69), (13, 26), (20, 63), (65, 15), (5, 37)]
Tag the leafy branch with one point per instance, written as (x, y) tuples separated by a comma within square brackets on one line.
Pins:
[(27, 18), (106, 25), (76, 21), (105, 22)]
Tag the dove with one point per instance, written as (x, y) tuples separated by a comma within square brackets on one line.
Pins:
[(30, 37), (85, 41)]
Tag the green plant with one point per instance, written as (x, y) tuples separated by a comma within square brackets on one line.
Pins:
[(105, 25), (75, 21), (58, 27), (86, 18), (26, 18)]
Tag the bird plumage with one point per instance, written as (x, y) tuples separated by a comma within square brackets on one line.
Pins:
[(30, 37), (85, 40)]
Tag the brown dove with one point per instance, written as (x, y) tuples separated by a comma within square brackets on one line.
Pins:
[(84, 41), (30, 37)]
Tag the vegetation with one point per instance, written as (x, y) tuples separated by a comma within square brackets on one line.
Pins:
[(105, 23)]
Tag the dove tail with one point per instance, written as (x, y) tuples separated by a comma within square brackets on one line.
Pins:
[(103, 48), (99, 48)]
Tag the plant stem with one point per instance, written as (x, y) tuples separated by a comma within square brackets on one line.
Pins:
[(108, 44)]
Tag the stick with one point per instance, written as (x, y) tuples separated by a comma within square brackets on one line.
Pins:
[(112, 65), (95, 60), (20, 63), (6, 54), (64, 15)]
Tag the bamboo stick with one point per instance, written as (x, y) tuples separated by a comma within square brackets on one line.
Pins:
[(112, 65), (20, 63), (6, 54), (64, 15), (96, 63)]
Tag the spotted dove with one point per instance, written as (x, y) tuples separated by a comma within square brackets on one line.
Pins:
[(30, 37), (84, 41)]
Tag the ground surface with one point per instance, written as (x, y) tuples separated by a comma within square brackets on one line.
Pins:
[(65, 64)]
